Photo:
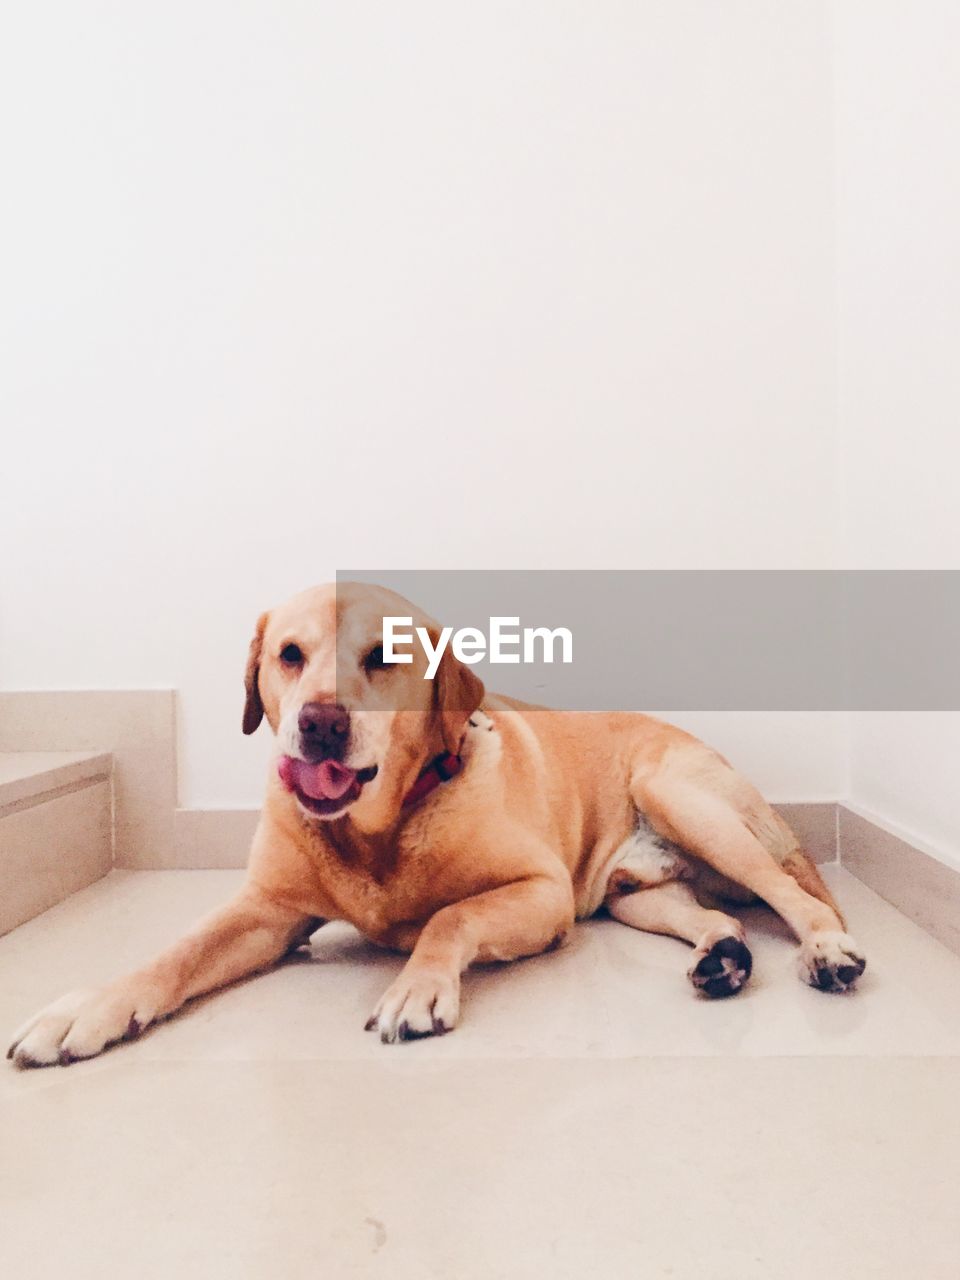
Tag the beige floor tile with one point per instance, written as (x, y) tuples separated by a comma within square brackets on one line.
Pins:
[(591, 1116), (693, 1167), (612, 992)]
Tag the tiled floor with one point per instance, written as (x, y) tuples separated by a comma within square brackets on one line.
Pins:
[(591, 1115)]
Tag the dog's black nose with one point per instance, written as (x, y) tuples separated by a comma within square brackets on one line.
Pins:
[(324, 730)]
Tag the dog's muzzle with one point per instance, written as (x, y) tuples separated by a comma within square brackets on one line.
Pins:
[(324, 729)]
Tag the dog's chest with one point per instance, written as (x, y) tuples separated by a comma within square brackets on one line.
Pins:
[(396, 885)]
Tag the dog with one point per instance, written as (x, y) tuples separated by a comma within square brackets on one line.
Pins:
[(462, 828)]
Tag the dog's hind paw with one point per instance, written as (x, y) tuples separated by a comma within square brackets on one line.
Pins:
[(723, 969), (831, 961)]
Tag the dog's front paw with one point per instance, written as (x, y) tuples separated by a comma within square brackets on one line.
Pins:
[(79, 1025), (831, 961), (424, 1003)]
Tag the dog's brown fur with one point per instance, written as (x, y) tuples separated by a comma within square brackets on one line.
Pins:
[(554, 815)]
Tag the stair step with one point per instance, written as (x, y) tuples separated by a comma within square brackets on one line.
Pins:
[(27, 776)]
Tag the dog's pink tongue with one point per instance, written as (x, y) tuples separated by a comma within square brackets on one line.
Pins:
[(324, 781)]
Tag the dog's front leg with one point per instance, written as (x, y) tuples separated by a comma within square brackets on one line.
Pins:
[(518, 919), (248, 934)]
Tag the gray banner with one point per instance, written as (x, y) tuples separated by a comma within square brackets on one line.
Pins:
[(708, 640)]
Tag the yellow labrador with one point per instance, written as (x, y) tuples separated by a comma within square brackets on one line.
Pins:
[(461, 827)]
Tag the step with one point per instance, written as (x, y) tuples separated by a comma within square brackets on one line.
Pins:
[(56, 828), (28, 777)]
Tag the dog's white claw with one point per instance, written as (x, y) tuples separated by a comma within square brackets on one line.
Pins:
[(417, 1005), (831, 961)]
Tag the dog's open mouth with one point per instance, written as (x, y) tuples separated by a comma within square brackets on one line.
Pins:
[(327, 788)]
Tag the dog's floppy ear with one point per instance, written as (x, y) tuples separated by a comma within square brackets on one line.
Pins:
[(458, 693), (253, 707)]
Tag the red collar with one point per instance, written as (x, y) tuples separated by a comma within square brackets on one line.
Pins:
[(441, 769)]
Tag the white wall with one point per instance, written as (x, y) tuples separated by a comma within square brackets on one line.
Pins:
[(898, 163), (288, 287)]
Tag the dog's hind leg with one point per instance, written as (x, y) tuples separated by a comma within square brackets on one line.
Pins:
[(699, 803), (721, 962)]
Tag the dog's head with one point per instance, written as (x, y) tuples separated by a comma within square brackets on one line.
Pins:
[(353, 730)]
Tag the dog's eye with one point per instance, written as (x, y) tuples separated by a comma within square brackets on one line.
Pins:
[(291, 655), (374, 661)]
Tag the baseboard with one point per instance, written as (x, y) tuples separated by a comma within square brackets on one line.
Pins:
[(206, 839), (138, 727), (815, 823), (220, 839), (924, 889)]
